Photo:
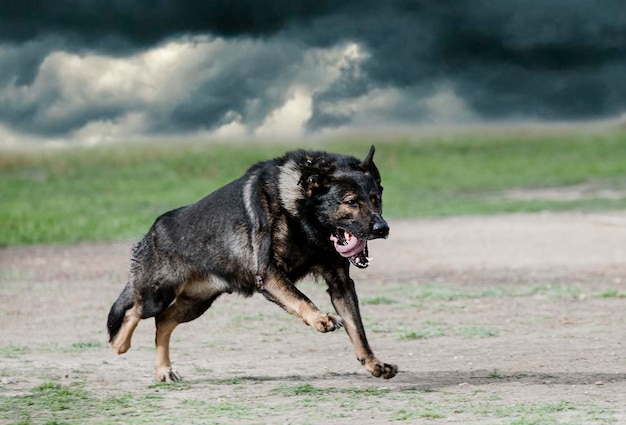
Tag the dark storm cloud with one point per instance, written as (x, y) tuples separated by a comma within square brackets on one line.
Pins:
[(513, 59), (121, 24), (558, 59)]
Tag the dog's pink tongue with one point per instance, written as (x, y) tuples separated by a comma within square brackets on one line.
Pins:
[(353, 247)]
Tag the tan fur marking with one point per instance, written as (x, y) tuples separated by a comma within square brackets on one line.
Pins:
[(296, 303), (121, 342), (162, 364), (247, 197), (202, 288), (176, 313), (289, 189), (247, 200)]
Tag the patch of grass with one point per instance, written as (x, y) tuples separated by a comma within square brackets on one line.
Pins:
[(170, 386), (555, 291), (529, 409), (425, 333), (346, 401), (112, 193), (84, 346), (477, 331), (54, 403), (421, 409), (612, 293), (378, 301), (14, 350), (449, 292), (44, 401), (407, 414), (53, 396), (202, 370), (238, 380), (298, 390), (231, 411), (531, 414), (311, 390), (439, 292), (601, 415), (492, 410), (495, 375)]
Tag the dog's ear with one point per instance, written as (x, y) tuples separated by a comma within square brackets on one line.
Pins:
[(314, 183), (315, 177), (368, 165), (368, 161)]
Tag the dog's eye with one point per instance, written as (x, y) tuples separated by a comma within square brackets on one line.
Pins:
[(351, 202), (376, 200)]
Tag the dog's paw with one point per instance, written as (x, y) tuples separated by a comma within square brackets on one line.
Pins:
[(327, 323), (380, 369), (120, 347), (167, 374)]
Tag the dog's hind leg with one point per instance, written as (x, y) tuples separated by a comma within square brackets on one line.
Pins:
[(183, 309), (138, 300), (121, 341), (122, 321)]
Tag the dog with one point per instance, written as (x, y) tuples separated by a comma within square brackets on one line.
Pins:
[(305, 213)]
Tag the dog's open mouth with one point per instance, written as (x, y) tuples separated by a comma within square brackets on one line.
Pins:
[(351, 247)]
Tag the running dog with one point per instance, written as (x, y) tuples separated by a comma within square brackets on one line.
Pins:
[(305, 213)]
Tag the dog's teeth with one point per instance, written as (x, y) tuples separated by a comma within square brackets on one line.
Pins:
[(369, 258), (347, 235)]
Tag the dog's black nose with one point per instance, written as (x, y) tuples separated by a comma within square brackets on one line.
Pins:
[(380, 229)]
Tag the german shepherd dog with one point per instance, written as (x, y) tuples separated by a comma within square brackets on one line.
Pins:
[(306, 213)]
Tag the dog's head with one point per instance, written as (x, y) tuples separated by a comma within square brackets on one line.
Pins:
[(342, 196)]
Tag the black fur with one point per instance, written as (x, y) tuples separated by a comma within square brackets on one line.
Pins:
[(118, 310)]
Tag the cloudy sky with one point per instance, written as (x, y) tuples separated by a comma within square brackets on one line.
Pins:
[(98, 70)]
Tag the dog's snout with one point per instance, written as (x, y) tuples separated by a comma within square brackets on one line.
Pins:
[(380, 228)]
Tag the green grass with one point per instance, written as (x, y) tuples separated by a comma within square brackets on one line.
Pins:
[(290, 400), (112, 193), (425, 333), (378, 301), (428, 332), (311, 390), (612, 293), (478, 331), (13, 350), (84, 346), (450, 292), (54, 403)]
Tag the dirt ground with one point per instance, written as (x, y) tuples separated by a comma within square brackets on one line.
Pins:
[(512, 319)]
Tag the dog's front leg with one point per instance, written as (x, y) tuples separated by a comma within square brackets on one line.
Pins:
[(277, 288), (344, 299)]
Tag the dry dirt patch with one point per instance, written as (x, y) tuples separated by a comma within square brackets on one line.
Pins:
[(506, 319)]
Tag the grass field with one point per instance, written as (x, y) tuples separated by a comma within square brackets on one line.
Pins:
[(112, 193)]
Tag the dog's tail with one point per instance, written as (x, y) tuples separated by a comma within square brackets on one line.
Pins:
[(118, 311)]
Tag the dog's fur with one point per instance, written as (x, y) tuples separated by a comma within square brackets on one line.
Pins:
[(283, 220)]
